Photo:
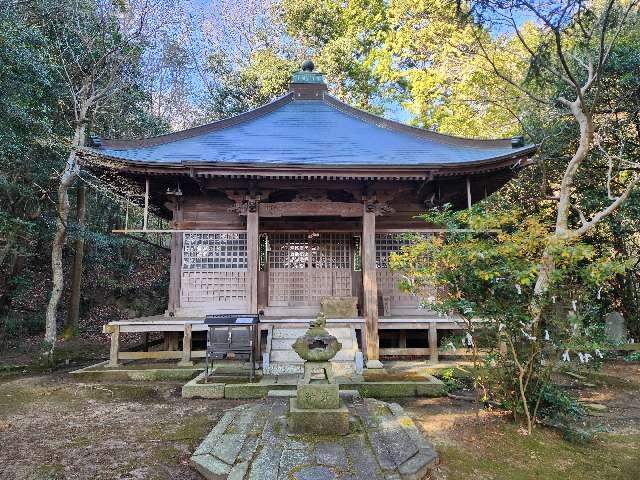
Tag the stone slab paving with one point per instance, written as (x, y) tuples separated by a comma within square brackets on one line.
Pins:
[(251, 442)]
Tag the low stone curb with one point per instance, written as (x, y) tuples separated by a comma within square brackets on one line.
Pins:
[(96, 373), (194, 389)]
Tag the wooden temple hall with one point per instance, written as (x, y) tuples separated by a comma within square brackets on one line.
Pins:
[(293, 208)]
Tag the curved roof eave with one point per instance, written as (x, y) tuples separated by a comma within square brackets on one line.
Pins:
[(372, 142), (123, 144), (376, 120), (520, 154)]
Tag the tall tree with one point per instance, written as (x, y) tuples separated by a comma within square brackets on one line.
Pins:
[(29, 121), (571, 52), (71, 325), (429, 63), (95, 46), (252, 49)]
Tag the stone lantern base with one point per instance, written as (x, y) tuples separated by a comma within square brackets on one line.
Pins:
[(318, 421), (252, 442), (317, 407)]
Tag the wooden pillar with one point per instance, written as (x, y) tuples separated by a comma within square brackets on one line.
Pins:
[(171, 341), (175, 268), (115, 345), (145, 216), (433, 342), (252, 259), (186, 346), (369, 284), (468, 193)]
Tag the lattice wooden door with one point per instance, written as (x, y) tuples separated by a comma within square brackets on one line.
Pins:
[(303, 268), (214, 272)]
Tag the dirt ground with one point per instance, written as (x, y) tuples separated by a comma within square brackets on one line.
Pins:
[(54, 428)]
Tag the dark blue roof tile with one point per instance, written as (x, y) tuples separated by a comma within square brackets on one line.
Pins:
[(314, 133)]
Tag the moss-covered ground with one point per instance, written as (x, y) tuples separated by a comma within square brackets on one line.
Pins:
[(20, 359), (489, 445), (502, 452), (54, 427)]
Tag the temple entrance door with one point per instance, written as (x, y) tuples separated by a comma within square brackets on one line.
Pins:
[(305, 267)]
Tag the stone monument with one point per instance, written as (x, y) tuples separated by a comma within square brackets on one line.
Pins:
[(317, 408), (615, 328)]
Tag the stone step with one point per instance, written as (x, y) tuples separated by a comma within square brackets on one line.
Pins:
[(344, 394), (279, 368), (281, 393), (292, 357)]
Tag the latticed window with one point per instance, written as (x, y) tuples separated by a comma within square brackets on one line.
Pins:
[(301, 250), (387, 243), (305, 267), (388, 281), (213, 251), (214, 270)]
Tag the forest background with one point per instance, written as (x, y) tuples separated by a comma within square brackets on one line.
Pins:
[(422, 62)]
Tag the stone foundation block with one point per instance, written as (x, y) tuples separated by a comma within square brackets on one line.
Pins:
[(386, 389), (318, 421), (246, 390), (433, 388), (203, 390)]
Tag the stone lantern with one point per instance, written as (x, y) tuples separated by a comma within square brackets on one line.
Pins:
[(317, 408)]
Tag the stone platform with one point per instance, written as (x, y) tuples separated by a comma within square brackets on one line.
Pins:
[(251, 442)]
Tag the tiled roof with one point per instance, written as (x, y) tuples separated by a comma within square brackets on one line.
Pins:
[(310, 133)]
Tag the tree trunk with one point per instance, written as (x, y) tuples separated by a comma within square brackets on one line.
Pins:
[(562, 232), (71, 326), (68, 176), (543, 282), (7, 266)]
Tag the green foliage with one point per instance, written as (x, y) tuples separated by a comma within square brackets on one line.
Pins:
[(36, 123), (450, 379), (342, 38), (489, 269), (28, 121), (632, 357), (448, 341), (555, 401), (430, 63), (485, 267), (15, 325)]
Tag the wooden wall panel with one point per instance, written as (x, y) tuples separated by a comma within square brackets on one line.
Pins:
[(210, 213)]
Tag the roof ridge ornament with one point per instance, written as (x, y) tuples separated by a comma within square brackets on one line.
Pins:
[(307, 74)]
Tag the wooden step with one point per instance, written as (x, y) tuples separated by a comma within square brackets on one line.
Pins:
[(293, 333)]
